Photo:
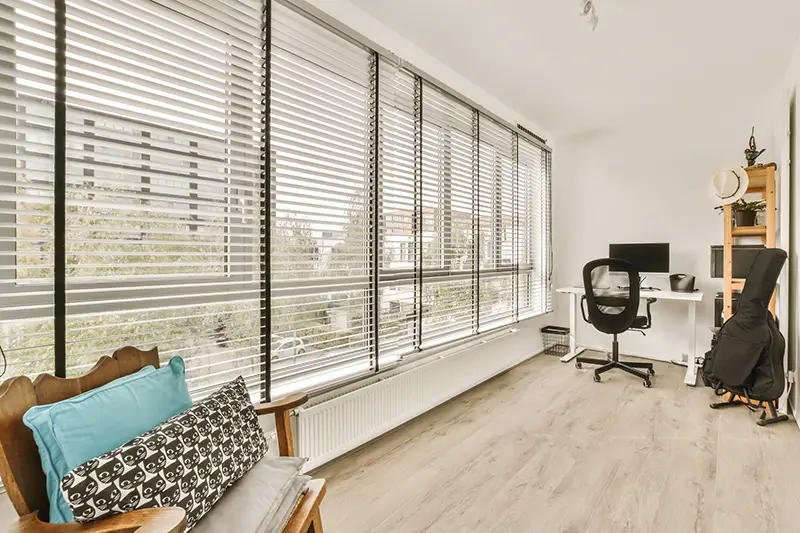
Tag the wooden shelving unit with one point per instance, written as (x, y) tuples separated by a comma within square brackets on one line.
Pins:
[(762, 180), (749, 231)]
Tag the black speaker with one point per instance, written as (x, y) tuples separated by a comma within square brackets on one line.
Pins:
[(719, 304), (743, 257)]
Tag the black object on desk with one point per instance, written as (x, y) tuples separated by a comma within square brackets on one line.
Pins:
[(681, 283)]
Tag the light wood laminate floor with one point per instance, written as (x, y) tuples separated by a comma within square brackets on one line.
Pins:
[(543, 449)]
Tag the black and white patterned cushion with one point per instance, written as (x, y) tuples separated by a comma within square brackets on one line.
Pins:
[(188, 461)]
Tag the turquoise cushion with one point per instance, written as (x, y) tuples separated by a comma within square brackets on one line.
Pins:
[(71, 432)]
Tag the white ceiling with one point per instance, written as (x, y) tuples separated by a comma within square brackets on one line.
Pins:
[(647, 58)]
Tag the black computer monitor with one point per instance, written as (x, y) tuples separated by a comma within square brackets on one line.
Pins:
[(648, 258)]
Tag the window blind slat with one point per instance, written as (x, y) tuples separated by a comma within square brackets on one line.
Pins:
[(133, 48), (186, 26), (162, 136)]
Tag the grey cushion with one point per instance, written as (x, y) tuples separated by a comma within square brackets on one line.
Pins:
[(251, 505), (281, 518)]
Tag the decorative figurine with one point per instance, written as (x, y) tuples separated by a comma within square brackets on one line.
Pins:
[(752, 151)]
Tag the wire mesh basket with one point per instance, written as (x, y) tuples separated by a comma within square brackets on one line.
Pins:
[(555, 340)]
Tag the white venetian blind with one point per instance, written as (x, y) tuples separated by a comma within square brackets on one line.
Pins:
[(164, 128), (27, 63), (448, 188), (546, 231), (321, 123), (533, 244), (496, 214), (399, 194)]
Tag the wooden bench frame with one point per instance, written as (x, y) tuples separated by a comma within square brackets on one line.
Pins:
[(24, 479)]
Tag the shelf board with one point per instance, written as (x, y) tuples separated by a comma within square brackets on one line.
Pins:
[(738, 283), (757, 183), (749, 231), (760, 167)]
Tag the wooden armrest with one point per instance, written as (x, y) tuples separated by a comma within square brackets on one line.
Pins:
[(284, 404), (307, 509), (281, 409), (159, 520)]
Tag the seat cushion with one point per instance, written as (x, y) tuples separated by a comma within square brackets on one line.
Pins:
[(261, 501), (640, 323), (289, 504), (73, 431), (189, 461)]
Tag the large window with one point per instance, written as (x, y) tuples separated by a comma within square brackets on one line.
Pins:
[(163, 125), (398, 193), (320, 129), (448, 217), (27, 56), (497, 222), (252, 190), (534, 254)]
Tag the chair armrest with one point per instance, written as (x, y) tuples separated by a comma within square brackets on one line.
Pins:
[(583, 311), (284, 404), (282, 409), (158, 520), (649, 302), (307, 510)]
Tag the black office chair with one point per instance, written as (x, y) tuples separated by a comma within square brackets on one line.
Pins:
[(615, 314)]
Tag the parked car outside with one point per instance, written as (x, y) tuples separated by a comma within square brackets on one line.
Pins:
[(283, 348)]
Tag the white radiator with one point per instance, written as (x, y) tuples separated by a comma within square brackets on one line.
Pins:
[(334, 427)]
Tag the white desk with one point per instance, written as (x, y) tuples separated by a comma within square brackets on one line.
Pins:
[(691, 298)]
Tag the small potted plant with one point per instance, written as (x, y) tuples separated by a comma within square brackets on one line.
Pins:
[(744, 212)]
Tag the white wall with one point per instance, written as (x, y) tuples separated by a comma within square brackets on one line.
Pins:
[(647, 182), (786, 92)]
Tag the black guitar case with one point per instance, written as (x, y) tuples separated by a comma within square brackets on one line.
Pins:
[(748, 355)]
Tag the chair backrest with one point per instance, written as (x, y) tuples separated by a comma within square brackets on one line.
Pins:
[(628, 302), (20, 465)]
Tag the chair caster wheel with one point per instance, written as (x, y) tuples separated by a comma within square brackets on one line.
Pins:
[(578, 364), (596, 378), (652, 371), (647, 383)]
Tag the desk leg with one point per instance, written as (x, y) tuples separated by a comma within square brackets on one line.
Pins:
[(573, 343), (692, 364)]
